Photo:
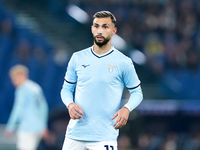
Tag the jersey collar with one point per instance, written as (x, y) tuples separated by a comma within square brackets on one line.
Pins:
[(102, 55)]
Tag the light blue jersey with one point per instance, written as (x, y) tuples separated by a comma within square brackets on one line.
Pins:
[(30, 109), (99, 81)]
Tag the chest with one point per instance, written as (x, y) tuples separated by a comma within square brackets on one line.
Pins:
[(98, 70)]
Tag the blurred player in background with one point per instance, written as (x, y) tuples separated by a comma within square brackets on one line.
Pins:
[(30, 110), (98, 75)]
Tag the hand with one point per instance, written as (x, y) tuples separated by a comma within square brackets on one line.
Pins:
[(8, 134), (45, 133), (122, 117), (75, 111)]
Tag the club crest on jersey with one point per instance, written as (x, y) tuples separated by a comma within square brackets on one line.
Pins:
[(110, 67)]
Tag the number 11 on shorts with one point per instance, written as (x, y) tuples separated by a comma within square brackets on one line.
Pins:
[(107, 147)]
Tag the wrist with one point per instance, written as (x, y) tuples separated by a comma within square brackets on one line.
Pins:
[(127, 107), (69, 104)]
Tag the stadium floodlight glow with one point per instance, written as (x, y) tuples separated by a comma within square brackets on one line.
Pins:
[(77, 13), (138, 57), (118, 42)]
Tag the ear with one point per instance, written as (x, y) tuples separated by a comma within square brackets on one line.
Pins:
[(114, 30)]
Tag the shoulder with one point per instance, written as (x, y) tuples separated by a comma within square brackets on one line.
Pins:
[(32, 86), (82, 52), (122, 57)]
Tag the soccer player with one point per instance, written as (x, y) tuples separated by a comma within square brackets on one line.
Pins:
[(30, 110), (98, 75)]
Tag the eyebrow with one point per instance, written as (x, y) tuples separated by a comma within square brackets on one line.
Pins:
[(106, 24)]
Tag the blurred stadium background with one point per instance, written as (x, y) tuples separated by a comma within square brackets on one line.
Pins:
[(161, 36)]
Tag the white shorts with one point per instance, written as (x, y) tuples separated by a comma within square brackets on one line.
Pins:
[(28, 141), (70, 144)]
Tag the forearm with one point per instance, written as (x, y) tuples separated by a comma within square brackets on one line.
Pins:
[(67, 93), (44, 112), (15, 114), (11, 122), (135, 99)]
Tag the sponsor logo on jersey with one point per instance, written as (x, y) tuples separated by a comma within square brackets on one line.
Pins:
[(85, 66)]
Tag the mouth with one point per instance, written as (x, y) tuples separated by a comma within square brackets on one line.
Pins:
[(99, 38)]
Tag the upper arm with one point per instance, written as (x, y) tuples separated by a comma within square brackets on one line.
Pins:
[(70, 75), (129, 74)]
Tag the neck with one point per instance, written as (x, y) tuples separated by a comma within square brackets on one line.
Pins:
[(102, 49), (22, 81)]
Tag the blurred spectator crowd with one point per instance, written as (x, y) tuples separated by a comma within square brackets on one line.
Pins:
[(169, 141), (161, 141), (161, 133), (166, 31), (19, 44)]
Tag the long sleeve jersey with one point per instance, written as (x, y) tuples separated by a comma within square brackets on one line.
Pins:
[(98, 82)]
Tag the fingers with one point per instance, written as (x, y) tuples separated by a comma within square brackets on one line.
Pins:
[(115, 115), (119, 123), (75, 111), (117, 120), (122, 118), (79, 110)]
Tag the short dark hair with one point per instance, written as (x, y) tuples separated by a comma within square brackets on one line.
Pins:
[(105, 14)]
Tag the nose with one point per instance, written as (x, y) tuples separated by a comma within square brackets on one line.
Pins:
[(100, 30)]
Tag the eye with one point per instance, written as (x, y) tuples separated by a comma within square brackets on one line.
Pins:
[(96, 25), (105, 27)]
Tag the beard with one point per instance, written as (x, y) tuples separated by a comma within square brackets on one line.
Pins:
[(103, 42)]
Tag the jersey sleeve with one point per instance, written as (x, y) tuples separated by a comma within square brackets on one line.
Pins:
[(43, 109), (69, 84), (135, 99), (132, 83), (17, 110), (70, 75), (129, 74)]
